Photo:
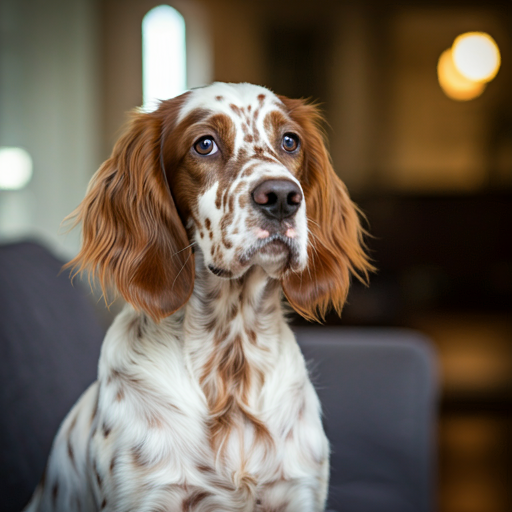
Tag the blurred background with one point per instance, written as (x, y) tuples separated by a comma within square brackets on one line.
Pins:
[(424, 146)]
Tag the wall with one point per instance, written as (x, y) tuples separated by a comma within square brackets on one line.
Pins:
[(49, 106)]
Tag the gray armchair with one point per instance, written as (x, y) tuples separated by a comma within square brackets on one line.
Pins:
[(379, 396)]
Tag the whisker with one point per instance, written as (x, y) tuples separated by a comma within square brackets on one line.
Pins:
[(311, 243), (313, 222), (184, 264), (184, 248), (315, 237)]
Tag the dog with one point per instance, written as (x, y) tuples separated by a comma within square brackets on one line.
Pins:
[(208, 211)]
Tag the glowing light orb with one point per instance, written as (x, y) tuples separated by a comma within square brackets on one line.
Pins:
[(15, 168), (455, 85), (476, 56)]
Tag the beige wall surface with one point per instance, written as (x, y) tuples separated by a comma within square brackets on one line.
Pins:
[(48, 106)]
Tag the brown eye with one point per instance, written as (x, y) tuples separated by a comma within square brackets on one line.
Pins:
[(205, 146), (290, 142)]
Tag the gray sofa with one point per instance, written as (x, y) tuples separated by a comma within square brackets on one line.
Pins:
[(377, 387)]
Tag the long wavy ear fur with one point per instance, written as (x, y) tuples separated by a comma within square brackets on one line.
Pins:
[(132, 235), (336, 248)]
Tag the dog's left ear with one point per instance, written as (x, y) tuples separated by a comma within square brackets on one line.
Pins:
[(336, 248), (132, 235)]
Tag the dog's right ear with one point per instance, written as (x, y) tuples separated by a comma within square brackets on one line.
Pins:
[(132, 235)]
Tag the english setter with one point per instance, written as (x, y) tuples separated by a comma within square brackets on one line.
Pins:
[(207, 211)]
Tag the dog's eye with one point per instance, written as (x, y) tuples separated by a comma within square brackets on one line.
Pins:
[(290, 142), (205, 146)]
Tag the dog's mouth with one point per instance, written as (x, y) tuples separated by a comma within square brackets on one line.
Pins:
[(220, 272), (276, 249), (276, 246)]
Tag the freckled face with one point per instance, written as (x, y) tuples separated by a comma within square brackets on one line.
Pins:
[(237, 185)]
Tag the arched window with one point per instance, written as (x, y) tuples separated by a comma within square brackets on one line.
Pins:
[(164, 55)]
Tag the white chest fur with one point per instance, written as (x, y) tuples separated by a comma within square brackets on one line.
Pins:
[(213, 404)]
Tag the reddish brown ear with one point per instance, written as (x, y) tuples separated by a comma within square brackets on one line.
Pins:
[(336, 249), (132, 236)]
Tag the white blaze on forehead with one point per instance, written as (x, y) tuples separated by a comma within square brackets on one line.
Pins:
[(266, 171), (240, 95)]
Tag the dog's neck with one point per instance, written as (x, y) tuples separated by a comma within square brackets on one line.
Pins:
[(224, 312), (216, 302), (230, 332)]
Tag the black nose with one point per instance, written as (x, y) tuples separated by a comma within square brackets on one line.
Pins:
[(277, 199)]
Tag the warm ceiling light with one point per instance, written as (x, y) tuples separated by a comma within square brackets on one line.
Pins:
[(15, 168), (454, 84), (476, 56)]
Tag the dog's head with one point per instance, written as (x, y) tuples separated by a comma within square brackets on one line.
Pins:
[(236, 172)]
